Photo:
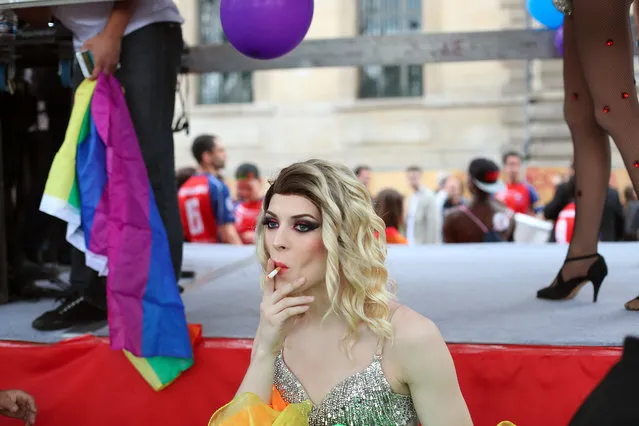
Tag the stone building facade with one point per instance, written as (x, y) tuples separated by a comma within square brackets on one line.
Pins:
[(437, 116)]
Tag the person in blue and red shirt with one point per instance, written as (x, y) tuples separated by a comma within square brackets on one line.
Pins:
[(205, 201), (519, 196), (249, 203)]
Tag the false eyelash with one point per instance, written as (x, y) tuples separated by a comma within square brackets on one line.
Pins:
[(311, 226)]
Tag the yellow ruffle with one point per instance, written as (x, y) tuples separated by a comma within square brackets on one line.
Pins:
[(248, 409)]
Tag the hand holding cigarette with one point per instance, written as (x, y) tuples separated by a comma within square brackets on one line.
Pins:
[(279, 309)]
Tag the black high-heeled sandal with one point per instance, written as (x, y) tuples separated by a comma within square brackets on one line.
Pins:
[(564, 290)]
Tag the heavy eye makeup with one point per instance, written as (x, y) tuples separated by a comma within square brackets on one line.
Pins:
[(299, 224)]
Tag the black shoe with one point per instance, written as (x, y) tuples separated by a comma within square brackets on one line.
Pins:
[(564, 290), (72, 312)]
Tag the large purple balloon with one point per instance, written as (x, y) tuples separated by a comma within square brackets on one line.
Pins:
[(266, 29), (559, 40)]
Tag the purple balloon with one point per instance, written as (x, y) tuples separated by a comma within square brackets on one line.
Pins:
[(266, 29), (559, 40)]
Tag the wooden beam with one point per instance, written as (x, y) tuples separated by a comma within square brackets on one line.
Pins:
[(405, 49)]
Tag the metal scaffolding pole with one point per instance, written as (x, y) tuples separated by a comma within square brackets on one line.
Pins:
[(4, 268)]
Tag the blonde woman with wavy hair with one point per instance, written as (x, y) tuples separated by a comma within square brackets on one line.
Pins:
[(333, 347)]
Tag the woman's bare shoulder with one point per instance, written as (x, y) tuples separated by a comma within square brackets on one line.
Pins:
[(416, 340), (413, 328)]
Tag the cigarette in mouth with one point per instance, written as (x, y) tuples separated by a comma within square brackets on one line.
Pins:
[(274, 272)]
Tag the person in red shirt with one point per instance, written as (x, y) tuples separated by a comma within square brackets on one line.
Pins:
[(205, 201), (389, 206), (520, 197), (565, 224), (249, 203)]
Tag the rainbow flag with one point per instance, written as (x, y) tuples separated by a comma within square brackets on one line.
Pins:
[(98, 184)]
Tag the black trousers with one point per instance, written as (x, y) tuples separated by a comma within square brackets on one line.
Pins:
[(614, 401), (149, 63)]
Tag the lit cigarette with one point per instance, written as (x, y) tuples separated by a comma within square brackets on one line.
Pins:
[(274, 272)]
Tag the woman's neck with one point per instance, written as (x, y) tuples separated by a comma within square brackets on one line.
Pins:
[(320, 306)]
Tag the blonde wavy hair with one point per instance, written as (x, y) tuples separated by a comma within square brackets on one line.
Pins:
[(354, 237)]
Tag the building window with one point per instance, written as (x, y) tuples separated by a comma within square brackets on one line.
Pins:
[(388, 17), (220, 88)]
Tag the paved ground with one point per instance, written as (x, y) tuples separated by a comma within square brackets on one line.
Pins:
[(475, 293)]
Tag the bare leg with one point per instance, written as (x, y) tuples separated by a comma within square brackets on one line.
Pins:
[(592, 165), (604, 43)]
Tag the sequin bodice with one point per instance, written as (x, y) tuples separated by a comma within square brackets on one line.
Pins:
[(363, 399)]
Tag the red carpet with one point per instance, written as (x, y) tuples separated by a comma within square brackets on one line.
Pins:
[(84, 383)]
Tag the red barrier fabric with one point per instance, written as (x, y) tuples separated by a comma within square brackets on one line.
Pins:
[(529, 385), (82, 382)]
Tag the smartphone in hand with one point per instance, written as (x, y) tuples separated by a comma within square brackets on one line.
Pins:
[(85, 60)]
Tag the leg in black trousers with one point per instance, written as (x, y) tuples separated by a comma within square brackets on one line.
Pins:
[(150, 60)]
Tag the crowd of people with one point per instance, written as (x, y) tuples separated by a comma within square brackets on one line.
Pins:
[(480, 209), (211, 215)]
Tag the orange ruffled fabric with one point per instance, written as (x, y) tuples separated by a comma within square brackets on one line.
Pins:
[(248, 409)]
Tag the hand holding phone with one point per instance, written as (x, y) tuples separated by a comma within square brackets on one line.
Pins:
[(85, 60), (101, 55)]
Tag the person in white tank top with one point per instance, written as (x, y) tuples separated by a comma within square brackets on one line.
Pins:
[(140, 43)]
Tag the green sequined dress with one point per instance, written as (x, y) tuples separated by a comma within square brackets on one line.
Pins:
[(363, 399)]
